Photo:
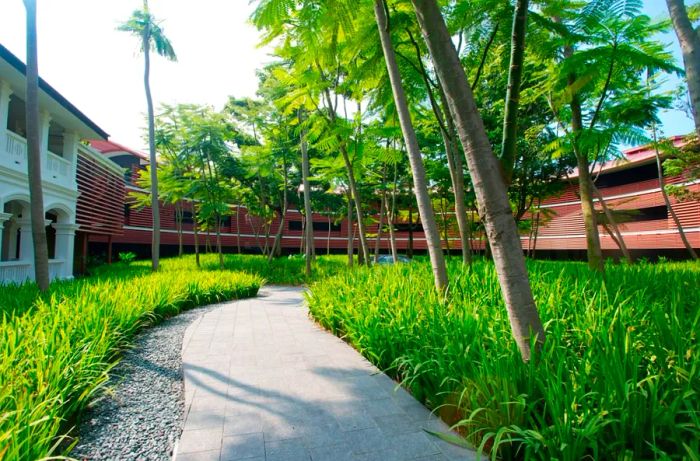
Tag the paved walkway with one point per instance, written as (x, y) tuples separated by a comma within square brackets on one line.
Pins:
[(263, 382)]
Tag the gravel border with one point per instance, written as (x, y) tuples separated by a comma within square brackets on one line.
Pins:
[(140, 413)]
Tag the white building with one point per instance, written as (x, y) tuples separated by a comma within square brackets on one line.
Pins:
[(63, 127)]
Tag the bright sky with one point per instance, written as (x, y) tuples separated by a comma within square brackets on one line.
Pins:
[(99, 69)]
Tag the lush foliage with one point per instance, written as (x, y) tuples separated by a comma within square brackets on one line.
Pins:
[(56, 348), (619, 377)]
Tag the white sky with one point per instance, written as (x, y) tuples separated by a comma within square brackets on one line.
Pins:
[(100, 70)]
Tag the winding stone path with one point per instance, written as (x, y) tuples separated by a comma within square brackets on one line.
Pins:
[(263, 382)]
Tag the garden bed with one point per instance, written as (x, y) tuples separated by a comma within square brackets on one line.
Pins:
[(57, 348), (618, 377)]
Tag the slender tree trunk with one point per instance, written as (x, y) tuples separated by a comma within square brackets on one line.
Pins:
[(382, 210), (238, 228), (595, 254), (667, 201), (454, 161), (155, 206), (488, 181), (36, 193), (420, 183), (351, 250), (328, 238), (218, 241), (445, 226), (515, 73), (390, 218), (277, 246), (613, 227), (690, 47), (195, 230), (305, 170), (178, 225), (537, 228), (409, 251)]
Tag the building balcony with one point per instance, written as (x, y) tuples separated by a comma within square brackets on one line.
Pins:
[(54, 168)]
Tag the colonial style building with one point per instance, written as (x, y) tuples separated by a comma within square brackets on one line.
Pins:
[(63, 127)]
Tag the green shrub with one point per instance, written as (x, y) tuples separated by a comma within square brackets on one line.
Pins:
[(57, 348), (127, 256), (618, 377)]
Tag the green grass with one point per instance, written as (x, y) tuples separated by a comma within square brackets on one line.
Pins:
[(281, 271), (618, 377), (57, 348)]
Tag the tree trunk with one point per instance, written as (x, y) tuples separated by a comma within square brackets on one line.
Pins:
[(614, 228), (420, 183), (454, 161), (309, 234), (667, 201), (218, 241), (238, 228), (382, 210), (409, 251), (488, 181), (690, 47), (328, 237), (277, 245), (36, 193), (195, 230), (594, 252), (390, 218), (351, 249), (178, 225), (515, 73), (155, 207)]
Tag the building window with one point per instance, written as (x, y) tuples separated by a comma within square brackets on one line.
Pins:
[(629, 176), (320, 226), (187, 217), (653, 213), (406, 227)]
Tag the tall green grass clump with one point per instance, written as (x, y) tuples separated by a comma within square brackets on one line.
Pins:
[(618, 376), (57, 348)]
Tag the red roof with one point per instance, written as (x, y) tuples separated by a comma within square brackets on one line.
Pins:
[(631, 157), (107, 147)]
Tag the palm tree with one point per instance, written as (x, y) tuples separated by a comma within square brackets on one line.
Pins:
[(143, 25), (427, 216), (486, 174), (689, 38), (36, 194)]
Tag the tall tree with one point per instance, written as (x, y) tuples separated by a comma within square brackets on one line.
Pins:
[(36, 194), (143, 25), (487, 179), (689, 38), (515, 74), (420, 184)]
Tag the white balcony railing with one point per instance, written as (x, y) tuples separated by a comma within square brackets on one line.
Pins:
[(55, 169), (16, 147), (18, 272)]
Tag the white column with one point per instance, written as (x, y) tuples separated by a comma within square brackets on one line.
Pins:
[(4, 217), (70, 149), (26, 243), (5, 93), (65, 244)]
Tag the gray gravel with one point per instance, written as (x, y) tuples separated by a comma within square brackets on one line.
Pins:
[(140, 414)]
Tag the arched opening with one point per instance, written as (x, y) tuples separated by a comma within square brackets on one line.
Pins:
[(12, 235)]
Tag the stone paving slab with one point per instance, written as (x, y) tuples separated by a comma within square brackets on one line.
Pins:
[(264, 383)]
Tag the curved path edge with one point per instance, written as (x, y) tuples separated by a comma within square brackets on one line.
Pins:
[(264, 382)]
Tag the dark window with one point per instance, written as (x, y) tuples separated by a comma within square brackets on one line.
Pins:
[(187, 217), (653, 213), (405, 227), (226, 221), (127, 213), (632, 175), (318, 226)]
